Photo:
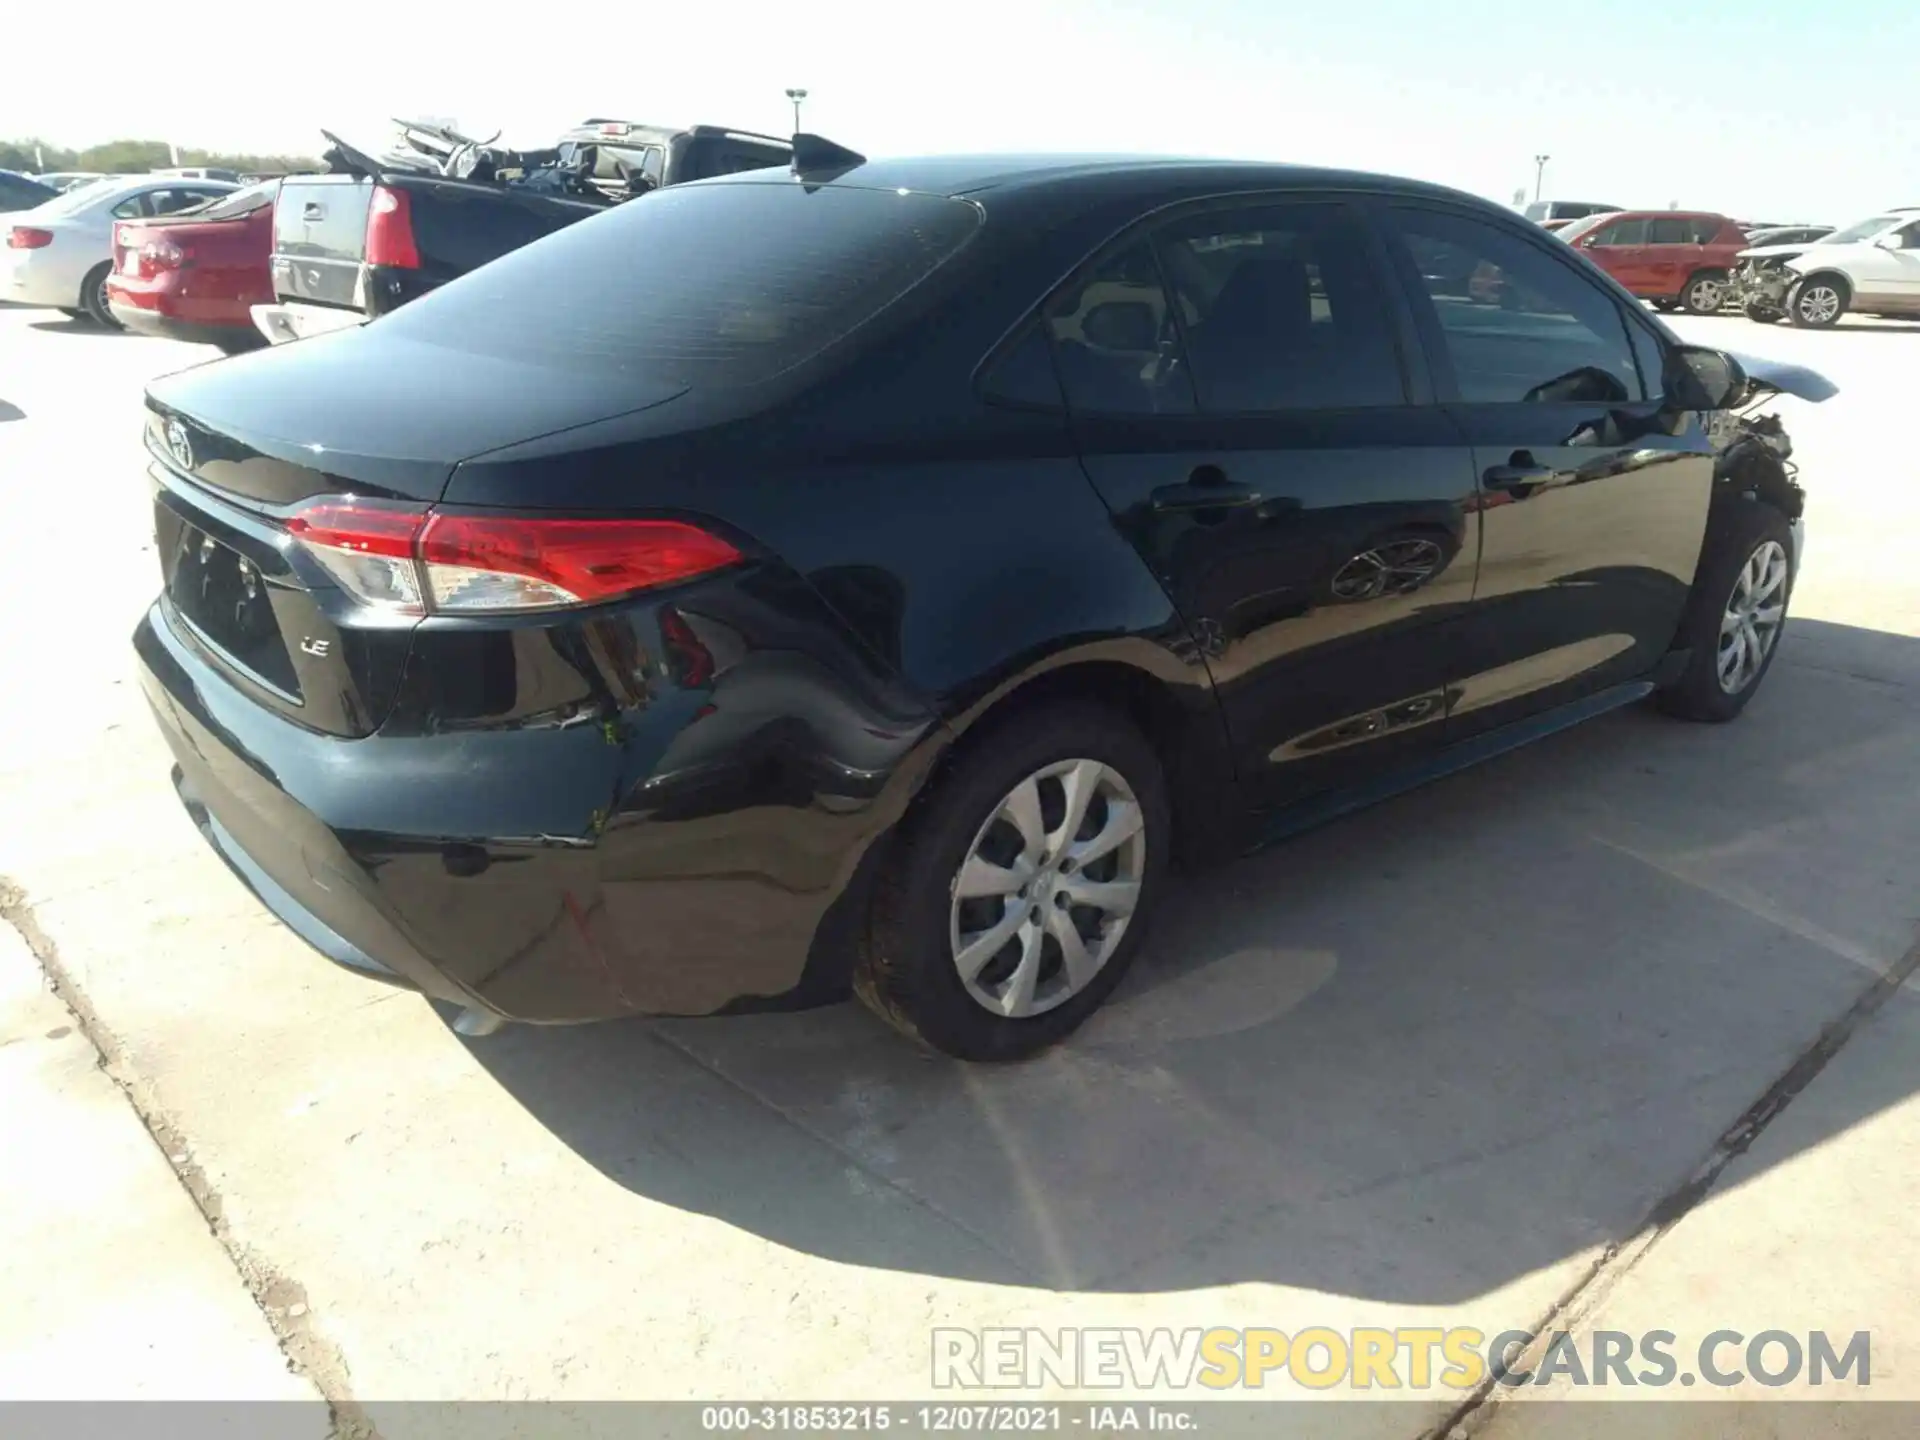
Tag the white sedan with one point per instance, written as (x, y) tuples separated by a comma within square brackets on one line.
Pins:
[(60, 253)]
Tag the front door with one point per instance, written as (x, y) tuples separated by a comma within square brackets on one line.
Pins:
[(1888, 271), (1243, 385), (1593, 493)]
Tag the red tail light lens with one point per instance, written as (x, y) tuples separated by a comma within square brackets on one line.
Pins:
[(417, 562), (26, 237), (163, 255), (390, 230)]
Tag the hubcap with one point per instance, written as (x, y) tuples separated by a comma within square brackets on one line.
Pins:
[(1821, 303), (1708, 294), (1048, 888), (1753, 617)]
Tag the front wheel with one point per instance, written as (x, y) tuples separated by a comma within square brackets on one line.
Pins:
[(1816, 304), (1705, 293), (93, 295), (1735, 615), (1019, 885)]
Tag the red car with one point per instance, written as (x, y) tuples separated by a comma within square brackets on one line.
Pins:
[(1675, 258), (196, 275)]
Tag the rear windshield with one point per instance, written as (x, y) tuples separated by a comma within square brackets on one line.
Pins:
[(716, 284), (229, 207)]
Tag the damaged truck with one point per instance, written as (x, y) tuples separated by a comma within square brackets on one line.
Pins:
[(376, 231)]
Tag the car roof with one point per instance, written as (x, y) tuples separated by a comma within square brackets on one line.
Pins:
[(976, 175)]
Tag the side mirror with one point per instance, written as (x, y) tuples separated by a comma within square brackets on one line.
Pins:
[(1699, 378)]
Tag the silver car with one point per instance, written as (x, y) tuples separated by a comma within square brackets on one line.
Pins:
[(61, 253)]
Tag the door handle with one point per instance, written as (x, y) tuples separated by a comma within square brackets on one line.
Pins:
[(1203, 497), (1517, 477)]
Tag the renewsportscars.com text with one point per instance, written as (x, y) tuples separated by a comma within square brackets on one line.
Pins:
[(1408, 1358)]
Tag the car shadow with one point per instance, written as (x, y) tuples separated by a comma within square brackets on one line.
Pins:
[(1412, 1056), (65, 326)]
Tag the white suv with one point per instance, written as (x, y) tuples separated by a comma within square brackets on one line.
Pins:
[(1872, 267)]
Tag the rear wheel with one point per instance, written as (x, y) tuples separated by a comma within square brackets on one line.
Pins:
[(1817, 302), (1705, 293), (93, 296), (1019, 885), (1736, 614)]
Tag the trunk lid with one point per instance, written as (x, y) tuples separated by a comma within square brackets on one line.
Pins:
[(237, 447), (320, 237)]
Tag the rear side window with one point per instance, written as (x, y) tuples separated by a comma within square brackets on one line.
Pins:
[(1518, 325), (703, 285), (1708, 228), (1670, 232), (1114, 337), (1281, 309)]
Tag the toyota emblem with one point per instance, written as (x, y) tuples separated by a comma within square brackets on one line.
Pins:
[(178, 445)]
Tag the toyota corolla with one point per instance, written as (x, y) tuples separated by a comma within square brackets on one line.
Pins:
[(874, 576)]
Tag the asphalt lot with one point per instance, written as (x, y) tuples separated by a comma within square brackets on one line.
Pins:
[(1427, 1066)]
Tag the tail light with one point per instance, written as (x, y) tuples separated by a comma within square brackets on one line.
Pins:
[(164, 255), (420, 562), (390, 230), (26, 237)]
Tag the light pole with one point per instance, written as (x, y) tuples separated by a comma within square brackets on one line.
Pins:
[(1539, 172), (796, 96)]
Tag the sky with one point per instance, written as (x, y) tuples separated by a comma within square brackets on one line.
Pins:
[(1762, 110)]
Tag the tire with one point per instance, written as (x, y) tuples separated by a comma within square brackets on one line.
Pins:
[(1705, 293), (93, 296), (1742, 547), (1664, 306), (1818, 301), (908, 970), (1763, 315), (239, 344)]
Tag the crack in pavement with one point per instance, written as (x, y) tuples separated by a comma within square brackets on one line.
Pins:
[(281, 1300), (1585, 1296)]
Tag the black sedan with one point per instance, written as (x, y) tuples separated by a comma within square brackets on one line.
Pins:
[(875, 576)]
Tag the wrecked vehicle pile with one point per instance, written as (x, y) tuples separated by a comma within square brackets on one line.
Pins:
[(377, 231)]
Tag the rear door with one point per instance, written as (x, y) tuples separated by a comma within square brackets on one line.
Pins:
[(1672, 255), (1244, 396), (1593, 495)]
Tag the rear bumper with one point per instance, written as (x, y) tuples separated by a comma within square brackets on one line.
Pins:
[(699, 876), (290, 320), (143, 321)]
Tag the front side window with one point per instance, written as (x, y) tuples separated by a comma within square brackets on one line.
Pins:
[(1865, 230), (1528, 328), (1281, 309), (1670, 232), (1624, 232), (1114, 339)]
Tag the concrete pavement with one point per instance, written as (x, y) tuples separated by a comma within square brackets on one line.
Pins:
[(1430, 1065)]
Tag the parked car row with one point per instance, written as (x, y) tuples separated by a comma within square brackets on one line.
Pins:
[(61, 253), (1703, 263), (874, 575)]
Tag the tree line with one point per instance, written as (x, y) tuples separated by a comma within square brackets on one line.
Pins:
[(136, 157)]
